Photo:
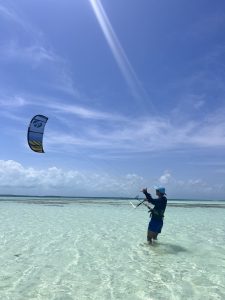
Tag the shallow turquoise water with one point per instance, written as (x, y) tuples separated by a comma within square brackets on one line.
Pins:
[(98, 250)]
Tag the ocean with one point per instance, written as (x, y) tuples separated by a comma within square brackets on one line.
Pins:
[(64, 249)]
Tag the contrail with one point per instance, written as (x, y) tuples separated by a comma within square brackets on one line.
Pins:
[(119, 54)]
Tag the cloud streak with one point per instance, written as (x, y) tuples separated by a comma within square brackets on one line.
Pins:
[(119, 54), (84, 112), (13, 16), (14, 102)]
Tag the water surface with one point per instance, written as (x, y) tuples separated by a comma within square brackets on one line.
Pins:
[(96, 249)]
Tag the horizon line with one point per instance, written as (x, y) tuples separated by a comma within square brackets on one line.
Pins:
[(102, 197)]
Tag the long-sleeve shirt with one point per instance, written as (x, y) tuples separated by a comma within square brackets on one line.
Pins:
[(159, 206)]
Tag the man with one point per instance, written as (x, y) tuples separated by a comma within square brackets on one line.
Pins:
[(157, 213)]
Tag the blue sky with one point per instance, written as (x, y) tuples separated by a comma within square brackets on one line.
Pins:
[(134, 92)]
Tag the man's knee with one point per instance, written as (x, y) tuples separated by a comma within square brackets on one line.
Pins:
[(152, 234)]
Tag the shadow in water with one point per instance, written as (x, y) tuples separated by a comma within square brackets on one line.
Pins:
[(166, 248)]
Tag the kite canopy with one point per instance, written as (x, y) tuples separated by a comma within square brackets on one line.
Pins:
[(35, 133)]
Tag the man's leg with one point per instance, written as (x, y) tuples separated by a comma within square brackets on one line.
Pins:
[(155, 237), (151, 235)]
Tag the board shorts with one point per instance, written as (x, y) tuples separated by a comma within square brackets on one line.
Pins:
[(155, 225)]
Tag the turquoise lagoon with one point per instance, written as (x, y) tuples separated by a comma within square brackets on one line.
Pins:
[(59, 248)]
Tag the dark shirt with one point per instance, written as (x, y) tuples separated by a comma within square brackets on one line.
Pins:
[(160, 206)]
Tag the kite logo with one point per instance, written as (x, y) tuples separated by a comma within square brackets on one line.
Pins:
[(37, 123)]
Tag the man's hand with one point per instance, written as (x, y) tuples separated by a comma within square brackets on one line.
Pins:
[(144, 190)]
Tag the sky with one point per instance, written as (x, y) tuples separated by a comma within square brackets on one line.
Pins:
[(134, 92)]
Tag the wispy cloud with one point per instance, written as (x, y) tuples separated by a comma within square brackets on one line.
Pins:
[(83, 112), (34, 54), (12, 15), (12, 102), (59, 108), (122, 134), (65, 83), (38, 55), (31, 48), (147, 136)]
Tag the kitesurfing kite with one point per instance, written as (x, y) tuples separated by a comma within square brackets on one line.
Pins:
[(35, 133)]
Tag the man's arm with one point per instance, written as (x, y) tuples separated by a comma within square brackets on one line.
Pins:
[(148, 197)]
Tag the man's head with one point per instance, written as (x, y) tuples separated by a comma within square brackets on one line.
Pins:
[(160, 190)]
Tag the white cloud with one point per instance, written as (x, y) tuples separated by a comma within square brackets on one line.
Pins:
[(165, 178), (192, 188), (14, 177)]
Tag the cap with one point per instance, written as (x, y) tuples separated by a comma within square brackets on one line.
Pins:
[(161, 189)]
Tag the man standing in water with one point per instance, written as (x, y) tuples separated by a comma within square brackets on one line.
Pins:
[(157, 213)]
